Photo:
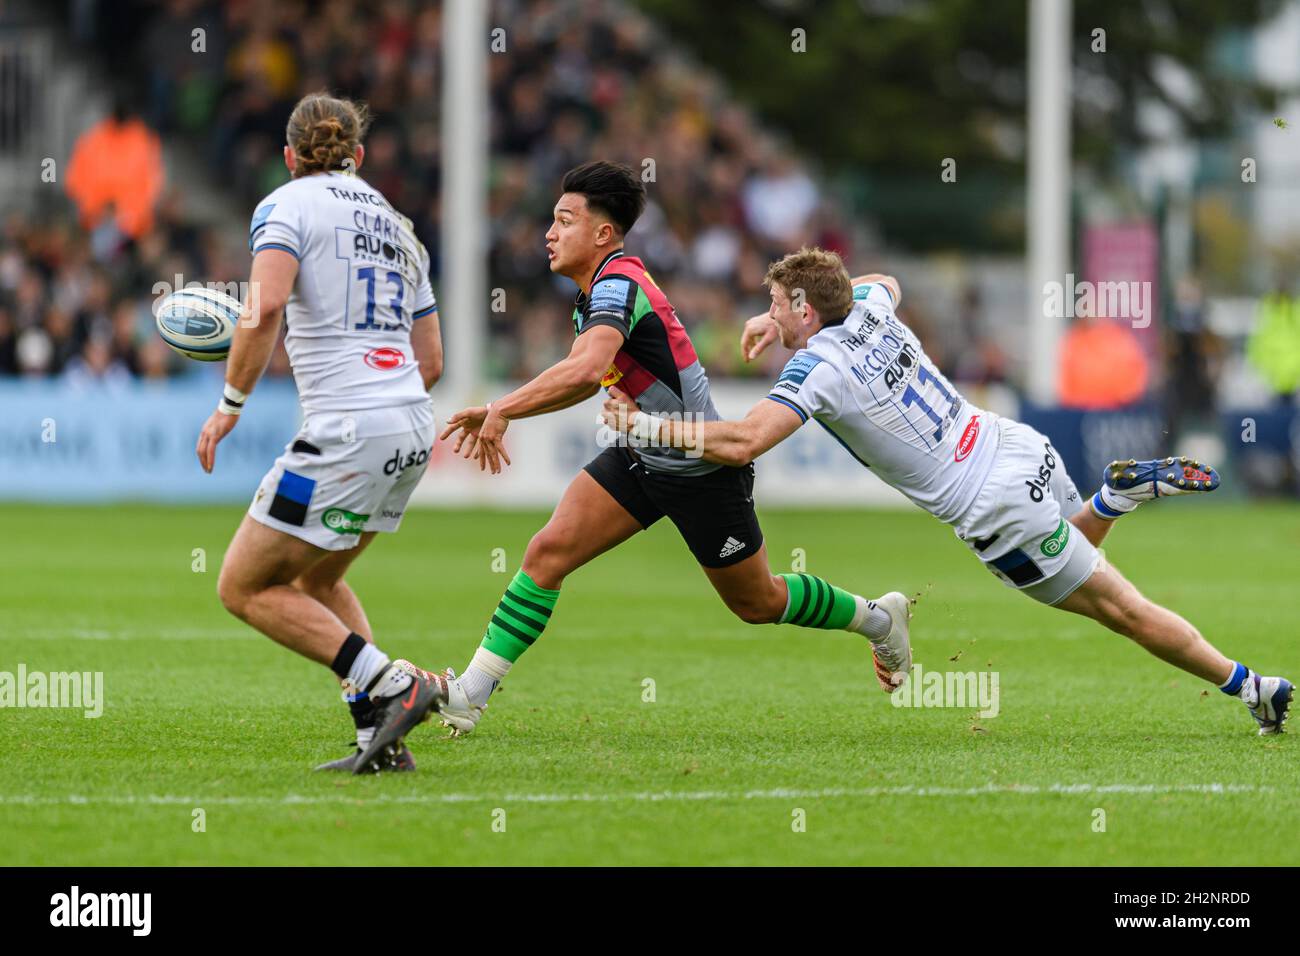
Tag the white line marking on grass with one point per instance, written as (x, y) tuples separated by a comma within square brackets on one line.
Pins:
[(100, 634), (292, 799), (235, 633)]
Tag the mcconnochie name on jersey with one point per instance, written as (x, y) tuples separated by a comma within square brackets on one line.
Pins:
[(869, 383)]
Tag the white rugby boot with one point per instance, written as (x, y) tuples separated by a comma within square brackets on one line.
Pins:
[(892, 654), (455, 707)]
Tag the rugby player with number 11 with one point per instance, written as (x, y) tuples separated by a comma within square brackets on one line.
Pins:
[(860, 372)]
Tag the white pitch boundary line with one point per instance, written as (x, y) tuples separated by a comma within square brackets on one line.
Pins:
[(665, 796)]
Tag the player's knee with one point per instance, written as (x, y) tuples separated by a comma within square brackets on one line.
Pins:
[(757, 608), (547, 559), (234, 597), (752, 613)]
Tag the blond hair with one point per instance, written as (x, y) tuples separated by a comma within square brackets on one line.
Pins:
[(820, 275), (324, 132)]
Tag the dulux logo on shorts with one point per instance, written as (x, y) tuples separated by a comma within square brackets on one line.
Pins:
[(397, 464)]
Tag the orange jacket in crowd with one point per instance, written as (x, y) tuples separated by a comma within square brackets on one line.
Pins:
[(1102, 365), (119, 166)]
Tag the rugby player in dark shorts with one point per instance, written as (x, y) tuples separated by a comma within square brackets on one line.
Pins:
[(626, 333)]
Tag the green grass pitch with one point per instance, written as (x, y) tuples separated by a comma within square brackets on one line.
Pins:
[(749, 724)]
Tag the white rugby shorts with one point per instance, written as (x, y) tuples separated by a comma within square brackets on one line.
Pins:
[(1018, 524), (345, 473)]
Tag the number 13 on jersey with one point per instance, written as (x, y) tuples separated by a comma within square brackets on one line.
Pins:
[(394, 279)]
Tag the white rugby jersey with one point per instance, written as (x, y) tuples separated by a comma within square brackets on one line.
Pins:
[(363, 279), (868, 382)]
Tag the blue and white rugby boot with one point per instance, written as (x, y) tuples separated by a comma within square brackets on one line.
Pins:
[(1126, 484), (1272, 703), (1160, 478)]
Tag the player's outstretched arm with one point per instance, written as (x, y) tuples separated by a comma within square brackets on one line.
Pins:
[(574, 399), (732, 443), (569, 381), (271, 281), (468, 421)]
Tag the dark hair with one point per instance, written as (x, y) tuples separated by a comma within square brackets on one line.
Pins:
[(324, 132), (609, 188)]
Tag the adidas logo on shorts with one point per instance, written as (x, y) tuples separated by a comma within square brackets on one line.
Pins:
[(730, 548)]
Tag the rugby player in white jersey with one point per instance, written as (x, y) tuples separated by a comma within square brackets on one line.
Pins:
[(862, 375), (346, 272)]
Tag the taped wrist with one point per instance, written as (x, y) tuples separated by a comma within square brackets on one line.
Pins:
[(232, 400)]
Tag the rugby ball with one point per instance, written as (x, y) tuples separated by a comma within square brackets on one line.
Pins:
[(199, 323)]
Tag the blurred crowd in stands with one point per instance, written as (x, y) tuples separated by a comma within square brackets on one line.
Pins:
[(78, 303), (572, 80), (569, 80)]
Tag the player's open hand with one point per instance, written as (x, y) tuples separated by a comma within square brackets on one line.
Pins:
[(467, 421), (619, 410), (488, 448), (217, 427), (759, 333)]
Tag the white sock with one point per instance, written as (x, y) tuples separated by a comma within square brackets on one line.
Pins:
[(391, 682), (870, 619), (364, 736), (367, 666), (481, 677), (1249, 693), (1117, 502), (377, 675)]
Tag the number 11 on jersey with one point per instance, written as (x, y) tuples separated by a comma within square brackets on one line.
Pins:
[(912, 397)]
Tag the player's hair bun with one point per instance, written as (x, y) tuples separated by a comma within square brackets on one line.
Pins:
[(324, 131)]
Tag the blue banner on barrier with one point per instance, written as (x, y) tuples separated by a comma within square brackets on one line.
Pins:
[(64, 443), (1260, 448), (135, 441), (1088, 441)]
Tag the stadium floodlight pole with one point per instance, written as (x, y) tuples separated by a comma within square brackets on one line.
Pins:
[(1048, 226), (463, 296)]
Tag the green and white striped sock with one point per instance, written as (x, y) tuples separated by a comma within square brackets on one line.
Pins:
[(816, 603), (521, 615)]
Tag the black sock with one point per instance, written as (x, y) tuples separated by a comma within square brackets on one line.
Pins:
[(353, 646), (363, 712)]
